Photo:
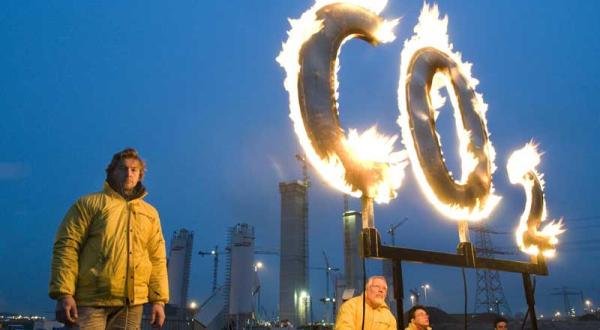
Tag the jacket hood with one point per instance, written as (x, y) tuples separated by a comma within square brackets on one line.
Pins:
[(138, 192)]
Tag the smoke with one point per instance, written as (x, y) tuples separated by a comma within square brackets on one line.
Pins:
[(278, 168)]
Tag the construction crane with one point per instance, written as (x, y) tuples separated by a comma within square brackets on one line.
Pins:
[(392, 229), (215, 253), (328, 299), (328, 270), (305, 164), (305, 178)]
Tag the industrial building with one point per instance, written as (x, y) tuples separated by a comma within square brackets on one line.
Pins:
[(353, 271), (178, 267), (241, 278), (179, 315), (231, 306), (294, 298)]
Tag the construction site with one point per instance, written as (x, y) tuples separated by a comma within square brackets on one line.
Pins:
[(235, 298)]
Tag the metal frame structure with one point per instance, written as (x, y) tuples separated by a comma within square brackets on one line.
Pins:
[(465, 257), (314, 110)]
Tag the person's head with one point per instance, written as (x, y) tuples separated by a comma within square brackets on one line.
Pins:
[(125, 170), (418, 316), (376, 290), (501, 324)]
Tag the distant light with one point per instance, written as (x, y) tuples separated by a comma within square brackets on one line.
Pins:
[(304, 295), (213, 252), (193, 305)]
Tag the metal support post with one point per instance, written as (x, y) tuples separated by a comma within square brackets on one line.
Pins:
[(466, 257), (530, 300), (399, 293), (463, 231), (368, 217)]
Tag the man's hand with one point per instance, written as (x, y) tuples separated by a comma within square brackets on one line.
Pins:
[(158, 315), (66, 310)]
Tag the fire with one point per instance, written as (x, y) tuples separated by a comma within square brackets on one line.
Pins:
[(370, 149), (357, 164), (521, 169), (366, 164), (431, 34)]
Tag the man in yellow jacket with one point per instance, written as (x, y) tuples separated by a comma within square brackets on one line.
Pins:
[(377, 314), (419, 319), (109, 254)]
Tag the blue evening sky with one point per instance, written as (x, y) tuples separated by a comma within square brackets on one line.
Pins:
[(194, 86)]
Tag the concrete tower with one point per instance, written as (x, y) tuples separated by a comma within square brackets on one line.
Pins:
[(294, 299), (178, 267), (241, 275), (353, 272)]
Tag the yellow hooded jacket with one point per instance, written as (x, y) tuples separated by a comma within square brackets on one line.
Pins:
[(109, 251), (350, 316)]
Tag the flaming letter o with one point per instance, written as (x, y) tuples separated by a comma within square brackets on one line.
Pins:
[(311, 59), (461, 201)]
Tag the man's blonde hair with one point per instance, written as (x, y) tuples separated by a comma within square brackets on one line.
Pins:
[(128, 153)]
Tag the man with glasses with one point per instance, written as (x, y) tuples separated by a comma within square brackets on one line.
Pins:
[(377, 314)]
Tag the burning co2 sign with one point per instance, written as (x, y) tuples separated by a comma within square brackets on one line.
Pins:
[(366, 165)]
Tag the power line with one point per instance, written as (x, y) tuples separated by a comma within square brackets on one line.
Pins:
[(584, 218), (565, 293), (490, 294), (568, 220), (583, 227)]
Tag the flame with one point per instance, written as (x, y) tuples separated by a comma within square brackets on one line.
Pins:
[(522, 161), (521, 169), (432, 31), (370, 147)]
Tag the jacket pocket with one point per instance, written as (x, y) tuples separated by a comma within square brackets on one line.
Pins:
[(94, 276), (143, 271)]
